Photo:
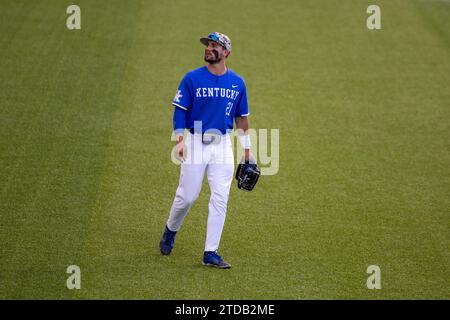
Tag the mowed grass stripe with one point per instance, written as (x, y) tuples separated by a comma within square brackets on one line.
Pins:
[(27, 144), (75, 110)]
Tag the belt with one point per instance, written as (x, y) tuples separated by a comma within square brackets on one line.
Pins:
[(208, 138)]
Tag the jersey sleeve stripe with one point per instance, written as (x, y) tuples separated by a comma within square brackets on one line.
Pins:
[(244, 115), (177, 105)]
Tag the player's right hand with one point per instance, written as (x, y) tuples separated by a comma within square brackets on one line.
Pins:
[(181, 150)]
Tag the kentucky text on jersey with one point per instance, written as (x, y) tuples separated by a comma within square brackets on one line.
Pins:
[(213, 100), (216, 92)]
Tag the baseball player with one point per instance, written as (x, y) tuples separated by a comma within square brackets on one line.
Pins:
[(209, 99)]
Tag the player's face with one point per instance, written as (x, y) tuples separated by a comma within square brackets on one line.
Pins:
[(214, 52)]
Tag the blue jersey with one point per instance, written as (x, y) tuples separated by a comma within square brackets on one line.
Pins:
[(213, 100)]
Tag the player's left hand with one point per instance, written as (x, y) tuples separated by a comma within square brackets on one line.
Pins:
[(248, 156)]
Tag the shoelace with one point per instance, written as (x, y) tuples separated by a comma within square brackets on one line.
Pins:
[(170, 237), (214, 254)]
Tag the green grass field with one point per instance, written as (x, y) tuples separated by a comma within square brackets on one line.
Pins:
[(364, 120)]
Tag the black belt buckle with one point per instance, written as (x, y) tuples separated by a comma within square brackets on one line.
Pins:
[(208, 138)]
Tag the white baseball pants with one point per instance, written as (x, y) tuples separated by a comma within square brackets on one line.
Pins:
[(218, 162)]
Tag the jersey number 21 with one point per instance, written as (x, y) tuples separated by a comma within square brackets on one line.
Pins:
[(228, 109)]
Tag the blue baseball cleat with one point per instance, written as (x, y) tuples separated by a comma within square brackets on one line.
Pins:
[(167, 241), (212, 259)]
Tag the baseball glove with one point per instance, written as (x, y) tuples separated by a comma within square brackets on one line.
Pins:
[(247, 175)]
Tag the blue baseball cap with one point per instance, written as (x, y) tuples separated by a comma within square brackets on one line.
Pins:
[(218, 37)]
